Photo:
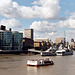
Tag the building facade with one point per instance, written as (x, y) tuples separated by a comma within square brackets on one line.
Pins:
[(5, 40), (60, 40), (27, 43), (20, 41), (28, 33), (2, 27), (17, 40), (42, 43), (42, 39), (10, 40)]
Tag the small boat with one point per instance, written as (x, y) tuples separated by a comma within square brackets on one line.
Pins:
[(40, 62)]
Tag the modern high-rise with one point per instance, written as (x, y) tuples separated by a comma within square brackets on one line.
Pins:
[(5, 39), (10, 40), (17, 40), (28, 33)]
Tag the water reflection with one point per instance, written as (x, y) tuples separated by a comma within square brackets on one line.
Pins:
[(41, 70), (30, 68)]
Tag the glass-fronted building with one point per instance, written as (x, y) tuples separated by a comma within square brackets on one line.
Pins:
[(5, 40), (17, 40), (11, 40)]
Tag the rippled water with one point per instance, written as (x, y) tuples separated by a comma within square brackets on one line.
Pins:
[(16, 65)]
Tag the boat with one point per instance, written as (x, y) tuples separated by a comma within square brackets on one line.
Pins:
[(40, 62), (47, 53), (50, 52), (64, 51)]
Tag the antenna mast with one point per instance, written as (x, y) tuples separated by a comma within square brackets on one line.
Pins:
[(65, 37)]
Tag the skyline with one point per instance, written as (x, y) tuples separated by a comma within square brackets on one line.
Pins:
[(48, 18)]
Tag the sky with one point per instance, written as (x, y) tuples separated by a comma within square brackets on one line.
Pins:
[(49, 18)]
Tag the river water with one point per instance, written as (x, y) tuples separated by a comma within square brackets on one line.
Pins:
[(16, 65)]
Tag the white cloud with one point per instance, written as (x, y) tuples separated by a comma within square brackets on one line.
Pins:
[(69, 22), (64, 23), (47, 9), (12, 23), (51, 30), (44, 29), (43, 26), (72, 15), (70, 34)]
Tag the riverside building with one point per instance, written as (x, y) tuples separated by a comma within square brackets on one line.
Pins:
[(60, 40), (17, 43), (10, 40), (5, 40), (28, 41), (28, 33)]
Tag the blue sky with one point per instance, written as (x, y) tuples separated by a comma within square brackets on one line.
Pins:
[(48, 18)]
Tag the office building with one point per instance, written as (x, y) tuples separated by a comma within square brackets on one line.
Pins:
[(60, 40), (27, 43), (10, 40), (28, 33), (20, 41), (17, 40), (2, 27), (5, 40), (42, 39)]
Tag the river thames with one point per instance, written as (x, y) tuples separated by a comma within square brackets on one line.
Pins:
[(16, 65)]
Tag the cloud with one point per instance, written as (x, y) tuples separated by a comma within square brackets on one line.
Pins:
[(53, 30), (72, 15), (70, 34), (68, 22), (46, 9), (63, 24), (43, 27), (12, 23), (51, 35), (62, 18)]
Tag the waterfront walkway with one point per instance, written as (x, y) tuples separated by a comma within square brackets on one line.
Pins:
[(33, 50)]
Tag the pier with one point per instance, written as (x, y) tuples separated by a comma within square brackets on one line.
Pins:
[(34, 51)]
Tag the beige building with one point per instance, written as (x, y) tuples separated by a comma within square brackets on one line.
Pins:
[(60, 40), (42, 43), (42, 39), (28, 33)]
